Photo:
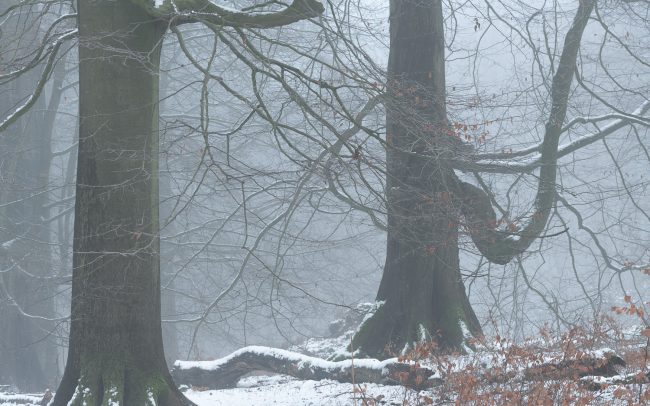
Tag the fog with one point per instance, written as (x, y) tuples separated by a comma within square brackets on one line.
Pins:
[(272, 173)]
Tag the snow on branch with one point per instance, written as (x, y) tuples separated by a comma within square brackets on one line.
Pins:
[(502, 162), (178, 12), (49, 66)]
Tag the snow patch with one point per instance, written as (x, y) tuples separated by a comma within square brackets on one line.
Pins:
[(113, 397), (75, 395), (7, 244), (151, 401), (423, 333), (303, 393), (303, 361), (467, 335)]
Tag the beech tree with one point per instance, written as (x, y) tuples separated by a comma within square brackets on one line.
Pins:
[(115, 348), (419, 178), (421, 295)]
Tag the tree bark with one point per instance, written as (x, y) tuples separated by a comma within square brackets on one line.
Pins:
[(116, 350), (423, 294)]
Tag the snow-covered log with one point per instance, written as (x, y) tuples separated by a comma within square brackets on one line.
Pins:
[(601, 382), (604, 363), (225, 372)]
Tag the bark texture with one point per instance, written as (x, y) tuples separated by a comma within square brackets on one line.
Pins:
[(116, 350), (423, 294)]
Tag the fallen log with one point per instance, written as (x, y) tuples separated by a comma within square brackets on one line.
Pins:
[(225, 372), (20, 399), (600, 363), (600, 382)]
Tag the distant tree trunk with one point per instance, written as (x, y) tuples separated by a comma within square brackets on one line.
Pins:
[(423, 294), (27, 350), (20, 365), (116, 350)]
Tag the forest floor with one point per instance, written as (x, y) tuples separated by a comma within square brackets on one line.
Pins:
[(604, 365)]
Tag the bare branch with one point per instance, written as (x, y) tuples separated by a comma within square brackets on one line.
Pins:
[(178, 12), (500, 247)]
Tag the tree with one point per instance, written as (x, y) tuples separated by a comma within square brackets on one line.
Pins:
[(27, 347), (421, 293), (115, 348)]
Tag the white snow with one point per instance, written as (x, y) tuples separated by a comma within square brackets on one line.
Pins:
[(304, 361), (151, 401), (18, 399), (7, 244), (113, 397), (301, 393)]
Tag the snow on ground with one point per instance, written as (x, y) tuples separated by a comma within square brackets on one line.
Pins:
[(11, 399), (456, 376), (286, 391), (278, 390)]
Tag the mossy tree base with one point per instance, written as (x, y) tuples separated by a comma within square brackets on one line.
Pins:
[(107, 380), (422, 290), (433, 309)]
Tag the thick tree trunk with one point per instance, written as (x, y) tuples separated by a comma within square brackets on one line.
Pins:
[(116, 350), (423, 294)]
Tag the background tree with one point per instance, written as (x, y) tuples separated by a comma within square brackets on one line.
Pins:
[(331, 163), (28, 347), (421, 292), (422, 287)]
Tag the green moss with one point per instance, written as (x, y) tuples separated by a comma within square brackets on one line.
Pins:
[(369, 333), (103, 380)]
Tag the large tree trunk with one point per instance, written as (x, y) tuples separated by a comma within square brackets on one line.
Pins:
[(423, 294), (116, 351)]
